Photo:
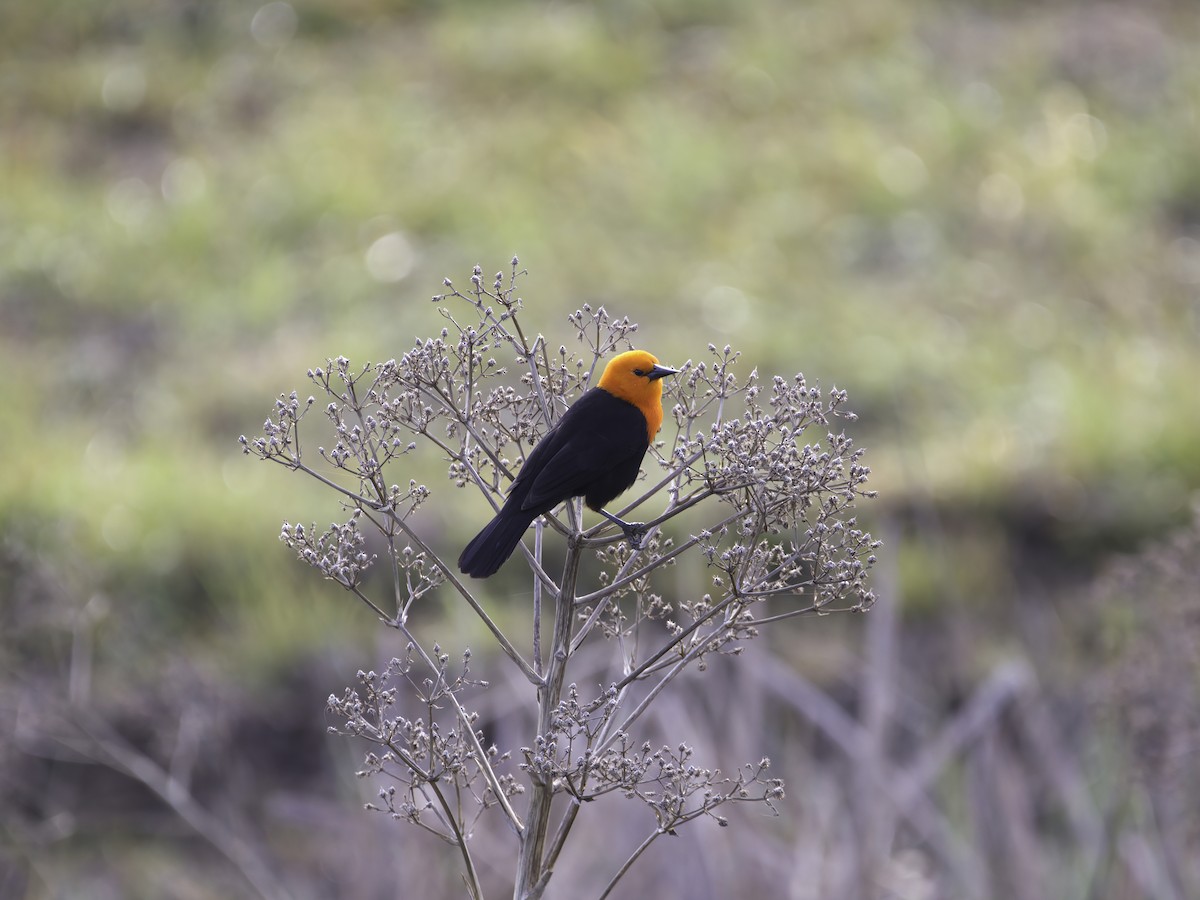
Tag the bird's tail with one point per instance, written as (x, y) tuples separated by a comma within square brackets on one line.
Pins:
[(491, 547)]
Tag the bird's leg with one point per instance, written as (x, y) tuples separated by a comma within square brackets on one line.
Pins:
[(635, 532)]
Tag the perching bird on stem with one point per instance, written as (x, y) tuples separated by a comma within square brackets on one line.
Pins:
[(594, 451)]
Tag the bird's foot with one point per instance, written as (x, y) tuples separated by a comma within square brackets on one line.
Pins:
[(635, 533)]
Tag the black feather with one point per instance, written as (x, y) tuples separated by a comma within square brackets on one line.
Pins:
[(594, 451)]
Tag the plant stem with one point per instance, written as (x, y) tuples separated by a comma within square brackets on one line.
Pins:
[(530, 881), (629, 862), (537, 599)]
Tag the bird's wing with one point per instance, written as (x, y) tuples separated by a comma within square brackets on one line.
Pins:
[(597, 434)]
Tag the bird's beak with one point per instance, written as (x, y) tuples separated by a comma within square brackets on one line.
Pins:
[(661, 372)]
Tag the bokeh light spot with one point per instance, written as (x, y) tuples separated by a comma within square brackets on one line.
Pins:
[(391, 258), (725, 308), (129, 202), (1001, 197), (902, 171), (183, 181), (124, 87)]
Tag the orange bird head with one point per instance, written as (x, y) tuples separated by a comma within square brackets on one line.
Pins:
[(635, 376)]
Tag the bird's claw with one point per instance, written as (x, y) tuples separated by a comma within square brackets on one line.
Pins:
[(635, 533)]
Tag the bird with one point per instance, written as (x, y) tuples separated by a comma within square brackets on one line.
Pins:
[(594, 451)]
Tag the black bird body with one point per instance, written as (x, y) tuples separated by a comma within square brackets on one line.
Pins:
[(594, 451)]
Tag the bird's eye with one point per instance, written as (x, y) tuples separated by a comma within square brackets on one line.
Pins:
[(638, 372)]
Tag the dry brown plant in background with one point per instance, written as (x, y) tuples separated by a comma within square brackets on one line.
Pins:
[(755, 485)]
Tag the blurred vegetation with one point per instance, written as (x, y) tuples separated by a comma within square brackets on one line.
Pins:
[(983, 219)]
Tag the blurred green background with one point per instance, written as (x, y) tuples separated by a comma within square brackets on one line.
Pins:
[(981, 218)]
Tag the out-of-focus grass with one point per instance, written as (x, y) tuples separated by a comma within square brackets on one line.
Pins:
[(980, 220)]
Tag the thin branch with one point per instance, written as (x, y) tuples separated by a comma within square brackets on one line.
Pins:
[(453, 580), (682, 467), (590, 623), (651, 566), (537, 599), (717, 608), (670, 513), (460, 840), (697, 649), (790, 614), (560, 837), (633, 857), (468, 727), (537, 378)]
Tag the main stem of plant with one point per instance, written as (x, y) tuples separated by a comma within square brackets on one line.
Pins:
[(531, 880)]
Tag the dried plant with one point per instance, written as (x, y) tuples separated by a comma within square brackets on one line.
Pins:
[(755, 485)]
